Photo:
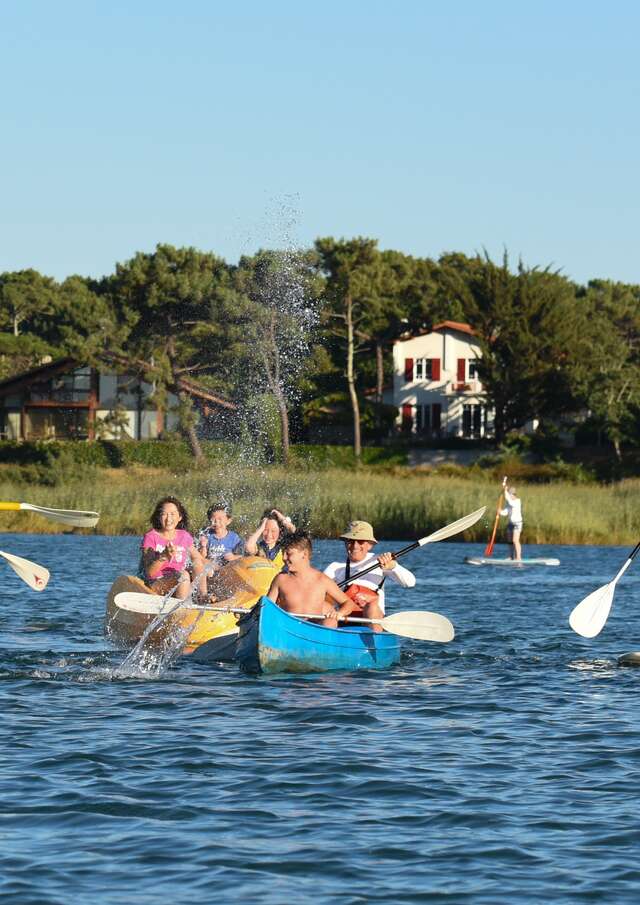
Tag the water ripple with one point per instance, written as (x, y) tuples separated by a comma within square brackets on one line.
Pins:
[(501, 767)]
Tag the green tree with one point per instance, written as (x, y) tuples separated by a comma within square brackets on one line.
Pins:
[(276, 315), (27, 299), (25, 294), (353, 272), (529, 325), (174, 304), (610, 371)]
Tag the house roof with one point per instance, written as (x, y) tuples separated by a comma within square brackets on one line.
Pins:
[(34, 375), (454, 325), (444, 325), (65, 365)]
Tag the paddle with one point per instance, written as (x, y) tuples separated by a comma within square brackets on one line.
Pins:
[(73, 517), (448, 531), (418, 624), (588, 618), (35, 576), (488, 550)]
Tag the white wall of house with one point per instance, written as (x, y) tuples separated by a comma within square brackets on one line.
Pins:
[(12, 425), (438, 392), (142, 423)]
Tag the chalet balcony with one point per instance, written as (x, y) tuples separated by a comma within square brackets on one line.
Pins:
[(464, 388)]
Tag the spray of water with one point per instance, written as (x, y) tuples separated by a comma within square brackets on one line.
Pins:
[(278, 318)]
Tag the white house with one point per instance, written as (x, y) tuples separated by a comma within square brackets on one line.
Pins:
[(435, 383), (64, 399)]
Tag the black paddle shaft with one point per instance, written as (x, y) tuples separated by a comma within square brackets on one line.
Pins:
[(396, 555)]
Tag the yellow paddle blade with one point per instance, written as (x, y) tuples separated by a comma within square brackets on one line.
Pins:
[(77, 518)]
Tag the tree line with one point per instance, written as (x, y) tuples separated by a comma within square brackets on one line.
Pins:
[(293, 337)]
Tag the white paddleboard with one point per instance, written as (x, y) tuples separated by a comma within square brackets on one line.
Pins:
[(517, 563)]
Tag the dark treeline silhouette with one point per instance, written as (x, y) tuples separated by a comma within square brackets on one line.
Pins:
[(303, 337)]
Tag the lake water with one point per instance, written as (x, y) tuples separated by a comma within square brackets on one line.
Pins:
[(502, 767)]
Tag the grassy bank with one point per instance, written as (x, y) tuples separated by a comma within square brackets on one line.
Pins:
[(400, 503)]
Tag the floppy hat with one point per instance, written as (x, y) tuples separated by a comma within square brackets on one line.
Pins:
[(359, 531)]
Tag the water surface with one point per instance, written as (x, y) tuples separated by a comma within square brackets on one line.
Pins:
[(500, 767)]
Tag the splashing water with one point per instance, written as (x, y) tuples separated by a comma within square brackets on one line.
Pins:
[(152, 660), (277, 327)]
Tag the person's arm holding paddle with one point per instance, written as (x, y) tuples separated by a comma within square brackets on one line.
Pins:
[(488, 550), (334, 595), (154, 561), (391, 568)]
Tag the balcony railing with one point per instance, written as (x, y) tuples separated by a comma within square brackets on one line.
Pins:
[(456, 387)]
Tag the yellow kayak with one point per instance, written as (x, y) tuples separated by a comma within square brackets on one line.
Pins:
[(238, 584)]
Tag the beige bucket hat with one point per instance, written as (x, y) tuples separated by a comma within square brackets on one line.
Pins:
[(359, 531)]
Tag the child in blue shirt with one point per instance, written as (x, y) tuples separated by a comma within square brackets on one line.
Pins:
[(216, 542)]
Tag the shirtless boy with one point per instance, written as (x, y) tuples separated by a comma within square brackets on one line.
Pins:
[(304, 589)]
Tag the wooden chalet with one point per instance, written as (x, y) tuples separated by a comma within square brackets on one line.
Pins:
[(64, 399)]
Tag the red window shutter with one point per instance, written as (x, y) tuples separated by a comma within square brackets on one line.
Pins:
[(435, 369), (407, 417), (462, 370), (408, 370), (436, 416)]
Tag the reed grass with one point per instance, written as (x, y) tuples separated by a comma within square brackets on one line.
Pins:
[(400, 503)]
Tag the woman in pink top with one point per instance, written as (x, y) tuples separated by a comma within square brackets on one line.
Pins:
[(167, 548)]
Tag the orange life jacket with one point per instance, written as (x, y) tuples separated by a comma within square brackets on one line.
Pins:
[(366, 595)]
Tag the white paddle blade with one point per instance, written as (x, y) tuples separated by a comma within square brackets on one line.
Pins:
[(454, 528), (148, 604), (588, 618), (75, 517), (419, 624), (153, 605), (37, 577)]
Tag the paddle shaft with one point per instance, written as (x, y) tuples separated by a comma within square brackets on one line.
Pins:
[(589, 617), (456, 527), (242, 612), (626, 565), (74, 517), (488, 550), (376, 564)]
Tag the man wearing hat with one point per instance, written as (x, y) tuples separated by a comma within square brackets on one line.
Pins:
[(366, 597)]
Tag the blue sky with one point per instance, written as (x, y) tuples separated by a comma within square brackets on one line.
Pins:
[(429, 126)]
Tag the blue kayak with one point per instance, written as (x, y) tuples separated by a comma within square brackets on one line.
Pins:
[(272, 641)]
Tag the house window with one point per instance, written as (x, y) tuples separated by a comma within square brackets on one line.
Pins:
[(423, 369), (73, 387), (472, 420), (473, 368), (428, 419), (427, 369)]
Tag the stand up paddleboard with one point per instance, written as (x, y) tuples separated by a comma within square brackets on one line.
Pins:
[(516, 563)]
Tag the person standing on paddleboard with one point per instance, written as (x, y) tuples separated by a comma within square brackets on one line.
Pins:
[(366, 597), (513, 510)]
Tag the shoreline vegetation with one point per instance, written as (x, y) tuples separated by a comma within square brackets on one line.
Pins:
[(401, 503)]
